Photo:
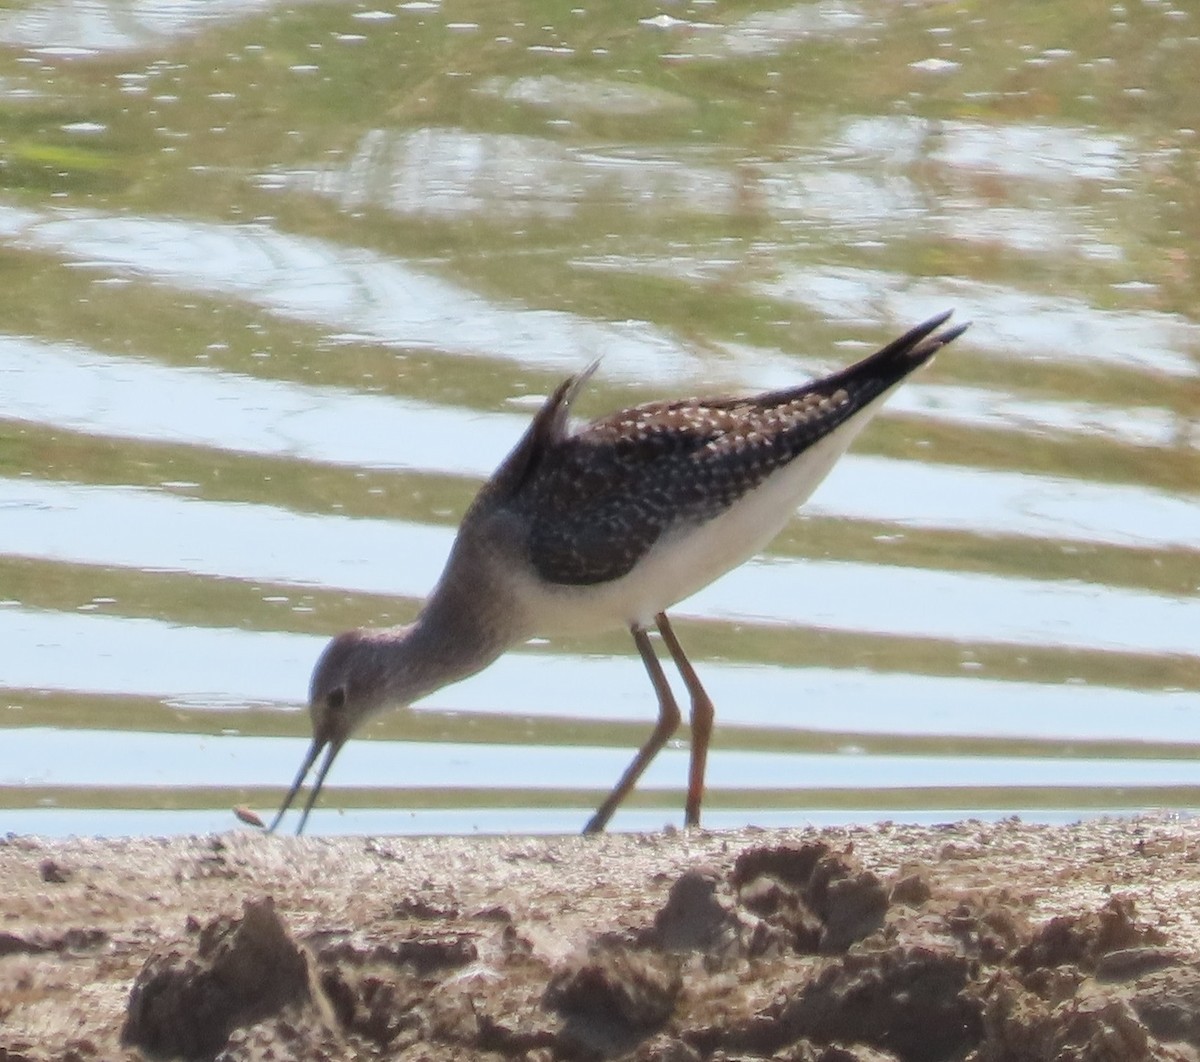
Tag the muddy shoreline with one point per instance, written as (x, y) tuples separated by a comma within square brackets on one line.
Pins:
[(974, 941)]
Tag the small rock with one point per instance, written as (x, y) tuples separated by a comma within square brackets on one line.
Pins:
[(53, 872), (422, 909), (909, 1000), (612, 996), (913, 890), (824, 899), (694, 917), (1082, 939), (242, 971), (1167, 1000), (424, 954), (1129, 963)]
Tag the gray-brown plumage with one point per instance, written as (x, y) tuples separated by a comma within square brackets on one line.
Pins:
[(609, 525)]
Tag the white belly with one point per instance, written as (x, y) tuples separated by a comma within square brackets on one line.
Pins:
[(687, 560)]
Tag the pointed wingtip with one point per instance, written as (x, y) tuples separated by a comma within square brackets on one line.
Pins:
[(559, 404), (952, 334), (927, 338), (921, 341), (935, 322), (577, 382), (931, 326)]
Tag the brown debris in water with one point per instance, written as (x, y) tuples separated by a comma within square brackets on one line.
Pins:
[(249, 816)]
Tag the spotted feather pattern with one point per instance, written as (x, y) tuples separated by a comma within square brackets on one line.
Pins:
[(596, 500), (605, 495)]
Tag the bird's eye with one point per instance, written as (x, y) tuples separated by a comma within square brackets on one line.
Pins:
[(336, 698)]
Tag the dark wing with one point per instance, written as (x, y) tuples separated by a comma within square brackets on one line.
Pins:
[(524, 461), (599, 499)]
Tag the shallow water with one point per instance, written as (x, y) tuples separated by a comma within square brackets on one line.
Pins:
[(285, 282)]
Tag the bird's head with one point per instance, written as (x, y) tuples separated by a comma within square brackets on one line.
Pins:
[(355, 677)]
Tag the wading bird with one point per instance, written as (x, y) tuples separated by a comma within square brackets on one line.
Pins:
[(585, 529)]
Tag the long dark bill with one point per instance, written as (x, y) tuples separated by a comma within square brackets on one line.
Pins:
[(314, 750)]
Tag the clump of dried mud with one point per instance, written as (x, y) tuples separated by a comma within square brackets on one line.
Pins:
[(980, 943)]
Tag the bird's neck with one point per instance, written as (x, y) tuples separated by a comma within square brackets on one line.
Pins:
[(463, 627)]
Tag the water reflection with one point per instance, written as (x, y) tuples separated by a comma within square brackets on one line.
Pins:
[(447, 173), (766, 33), (351, 290), (179, 665), (1021, 326), (994, 503), (1025, 151), (88, 391), (99, 757), (76, 28), (865, 179), (120, 656), (286, 280), (243, 540), (127, 398)]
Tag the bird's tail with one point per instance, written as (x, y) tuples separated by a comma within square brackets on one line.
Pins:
[(883, 369)]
